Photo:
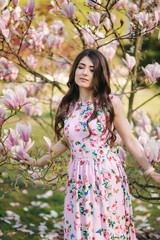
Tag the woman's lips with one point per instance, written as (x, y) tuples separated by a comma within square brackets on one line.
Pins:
[(84, 79)]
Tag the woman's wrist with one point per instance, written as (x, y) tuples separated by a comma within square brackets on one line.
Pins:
[(152, 174), (150, 171), (43, 160)]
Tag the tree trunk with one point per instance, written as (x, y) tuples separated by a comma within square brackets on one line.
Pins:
[(138, 45)]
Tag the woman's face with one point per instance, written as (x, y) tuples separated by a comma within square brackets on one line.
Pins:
[(84, 73)]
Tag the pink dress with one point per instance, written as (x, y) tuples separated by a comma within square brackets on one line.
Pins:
[(97, 200)]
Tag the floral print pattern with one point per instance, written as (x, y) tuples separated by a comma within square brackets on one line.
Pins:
[(97, 200)]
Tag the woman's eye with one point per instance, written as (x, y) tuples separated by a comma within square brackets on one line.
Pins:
[(80, 67)]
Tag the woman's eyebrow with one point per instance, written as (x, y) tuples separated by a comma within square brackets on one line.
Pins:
[(85, 64)]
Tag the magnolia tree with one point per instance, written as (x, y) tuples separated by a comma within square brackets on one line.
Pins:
[(35, 60)]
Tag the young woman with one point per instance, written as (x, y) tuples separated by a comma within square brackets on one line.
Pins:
[(97, 201)]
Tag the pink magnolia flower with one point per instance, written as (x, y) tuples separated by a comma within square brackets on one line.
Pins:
[(6, 15), (13, 29), (64, 1), (118, 139), (62, 63), (3, 4), (121, 153), (12, 137), (14, 100), (94, 17), (113, 18), (130, 61), (26, 145), (42, 27), (24, 131), (6, 34), (21, 96), (9, 99), (16, 14), (108, 51), (25, 9), (5, 63), (88, 36), (2, 24), (31, 7), (143, 140), (132, 9), (93, 4), (31, 88), (58, 27), (69, 9), (55, 7), (18, 152), (48, 141), (34, 110), (121, 4), (37, 42), (3, 115), (1, 233), (152, 71), (59, 41), (138, 113), (140, 131), (108, 23), (32, 61), (11, 73), (31, 32), (88, 39), (142, 18), (145, 123), (51, 41), (54, 40), (157, 16), (151, 150), (36, 175), (15, 2), (4, 18), (25, 191)]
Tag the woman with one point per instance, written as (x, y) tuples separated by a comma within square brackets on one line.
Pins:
[(97, 201)]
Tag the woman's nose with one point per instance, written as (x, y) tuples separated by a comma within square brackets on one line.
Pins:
[(85, 71)]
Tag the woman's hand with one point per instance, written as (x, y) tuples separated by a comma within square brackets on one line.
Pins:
[(155, 176), (55, 151)]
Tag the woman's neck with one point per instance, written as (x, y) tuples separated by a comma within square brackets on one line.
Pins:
[(85, 96)]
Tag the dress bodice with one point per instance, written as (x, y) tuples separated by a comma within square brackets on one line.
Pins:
[(77, 132)]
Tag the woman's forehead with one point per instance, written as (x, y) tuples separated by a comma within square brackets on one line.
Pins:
[(86, 61)]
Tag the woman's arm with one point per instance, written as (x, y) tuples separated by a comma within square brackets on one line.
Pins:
[(123, 128), (60, 147)]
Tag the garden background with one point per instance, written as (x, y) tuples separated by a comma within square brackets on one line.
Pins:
[(31, 199)]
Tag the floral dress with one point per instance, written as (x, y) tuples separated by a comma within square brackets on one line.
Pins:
[(97, 201)]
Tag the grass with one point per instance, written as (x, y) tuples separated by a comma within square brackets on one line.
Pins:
[(30, 217)]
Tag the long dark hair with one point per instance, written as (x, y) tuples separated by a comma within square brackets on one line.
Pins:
[(101, 91)]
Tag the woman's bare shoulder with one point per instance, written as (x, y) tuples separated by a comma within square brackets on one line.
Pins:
[(116, 100)]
